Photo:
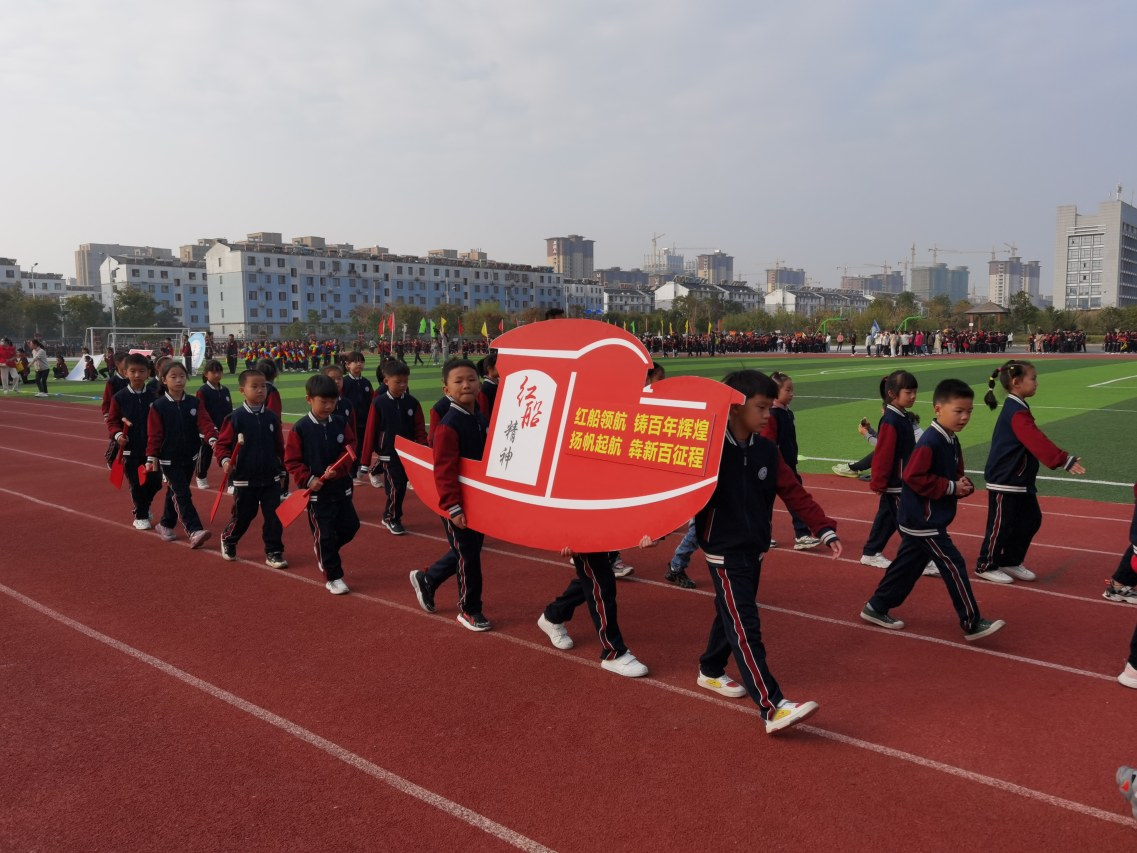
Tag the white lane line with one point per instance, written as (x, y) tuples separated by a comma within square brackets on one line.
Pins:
[(1110, 381), (880, 749), (980, 473), (404, 786)]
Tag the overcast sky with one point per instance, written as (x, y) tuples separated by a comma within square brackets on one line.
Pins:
[(817, 134)]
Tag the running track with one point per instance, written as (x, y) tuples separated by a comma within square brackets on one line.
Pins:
[(157, 698)]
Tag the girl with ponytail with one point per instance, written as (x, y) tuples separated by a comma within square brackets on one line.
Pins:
[(1017, 448)]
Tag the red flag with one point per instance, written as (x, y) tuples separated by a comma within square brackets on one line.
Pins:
[(501, 325), (459, 326), (391, 323)]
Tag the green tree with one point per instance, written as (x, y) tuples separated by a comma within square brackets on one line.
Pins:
[(135, 307), (80, 312), (13, 320), (42, 314), (1024, 315)]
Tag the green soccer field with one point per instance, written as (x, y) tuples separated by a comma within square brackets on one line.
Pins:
[(1085, 405)]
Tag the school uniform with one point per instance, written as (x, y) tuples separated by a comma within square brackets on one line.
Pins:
[(115, 383), (782, 430), (360, 392), (176, 429), (1013, 513), (928, 502), (312, 446), (487, 397), (255, 476), (387, 418), (594, 585), (134, 406), (733, 530), (460, 434), (895, 442), (218, 403)]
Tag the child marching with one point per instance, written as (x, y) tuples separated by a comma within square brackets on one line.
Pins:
[(1017, 447), (127, 416), (177, 426), (782, 430), (218, 403), (393, 412), (253, 470)]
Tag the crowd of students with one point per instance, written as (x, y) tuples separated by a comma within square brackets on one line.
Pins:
[(163, 435)]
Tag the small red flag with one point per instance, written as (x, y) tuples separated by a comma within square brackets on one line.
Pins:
[(459, 327), (501, 325)]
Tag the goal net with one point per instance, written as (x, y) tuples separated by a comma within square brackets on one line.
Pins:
[(126, 338)]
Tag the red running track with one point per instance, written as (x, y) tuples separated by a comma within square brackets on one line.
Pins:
[(158, 698)]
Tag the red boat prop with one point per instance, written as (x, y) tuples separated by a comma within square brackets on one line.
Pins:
[(579, 453)]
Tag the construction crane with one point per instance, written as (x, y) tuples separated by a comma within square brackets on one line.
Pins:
[(654, 246), (1014, 251), (936, 250)]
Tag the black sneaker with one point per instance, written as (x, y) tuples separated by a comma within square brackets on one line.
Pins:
[(679, 578), (276, 561), (984, 628), (228, 550), (881, 619), (423, 592), (395, 528), (474, 621)]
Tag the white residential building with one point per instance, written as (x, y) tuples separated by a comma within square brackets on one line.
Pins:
[(261, 285), (812, 301), (177, 286), (736, 291), (620, 300), (89, 257), (1095, 257), (588, 295), (9, 273)]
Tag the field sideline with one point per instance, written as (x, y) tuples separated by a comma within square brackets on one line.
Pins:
[(1082, 404)]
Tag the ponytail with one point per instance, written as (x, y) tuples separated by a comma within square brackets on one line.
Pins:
[(989, 397)]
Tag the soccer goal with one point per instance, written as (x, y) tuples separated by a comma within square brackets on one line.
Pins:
[(126, 338)]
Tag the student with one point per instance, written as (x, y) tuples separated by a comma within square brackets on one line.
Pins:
[(9, 381), (218, 403), (594, 585), (358, 389), (22, 368), (895, 443), (255, 475), (156, 367), (781, 430), (394, 412), (90, 374), (487, 370), (1011, 472), (734, 533), (176, 427), (39, 366), (462, 433), (60, 370), (268, 368), (128, 413), (314, 446), (933, 484), (187, 357)]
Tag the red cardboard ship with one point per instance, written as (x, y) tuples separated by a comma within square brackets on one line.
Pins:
[(579, 453)]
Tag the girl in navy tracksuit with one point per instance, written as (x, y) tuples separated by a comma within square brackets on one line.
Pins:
[(393, 412), (177, 425), (1121, 589), (781, 430), (894, 444), (734, 533), (218, 403), (1017, 446), (934, 481)]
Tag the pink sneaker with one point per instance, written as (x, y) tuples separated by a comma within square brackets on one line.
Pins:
[(198, 538)]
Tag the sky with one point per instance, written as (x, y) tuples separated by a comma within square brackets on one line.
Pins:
[(819, 135)]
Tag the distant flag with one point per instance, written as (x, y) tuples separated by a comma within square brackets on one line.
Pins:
[(432, 328), (708, 327), (501, 325), (686, 327), (875, 327), (442, 323), (625, 325), (485, 331), (459, 325), (422, 326), (670, 329), (661, 325), (633, 327), (391, 323)]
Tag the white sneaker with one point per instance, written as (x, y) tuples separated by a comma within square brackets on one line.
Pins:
[(202, 483), (995, 576), (621, 569), (724, 685), (790, 714), (1019, 573), (878, 561), (804, 543), (1128, 676), (626, 665), (558, 634), (142, 524), (931, 570), (337, 587)]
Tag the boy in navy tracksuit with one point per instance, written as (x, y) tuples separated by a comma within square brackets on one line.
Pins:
[(393, 412), (218, 403), (253, 433), (317, 442), (115, 383), (933, 483), (462, 433), (127, 416), (176, 427), (358, 388), (734, 533)]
